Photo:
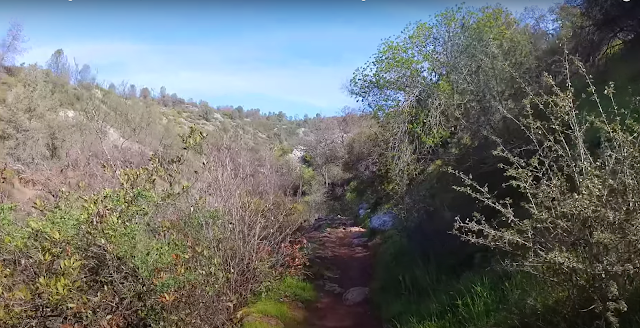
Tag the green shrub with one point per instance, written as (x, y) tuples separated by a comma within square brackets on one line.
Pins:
[(84, 255), (581, 207)]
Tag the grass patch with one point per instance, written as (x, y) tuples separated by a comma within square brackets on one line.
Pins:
[(272, 308), (276, 298), (413, 291), (256, 324), (290, 288)]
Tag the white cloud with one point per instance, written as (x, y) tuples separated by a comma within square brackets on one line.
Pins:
[(247, 66)]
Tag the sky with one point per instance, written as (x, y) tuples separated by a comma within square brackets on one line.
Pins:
[(293, 56)]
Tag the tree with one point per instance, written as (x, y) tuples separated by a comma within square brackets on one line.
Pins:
[(325, 147), (12, 45), (175, 99), (123, 88), (253, 113), (602, 26), (447, 80), (238, 112), (165, 100), (145, 93), (59, 65), (112, 87), (85, 75), (203, 104), (133, 91)]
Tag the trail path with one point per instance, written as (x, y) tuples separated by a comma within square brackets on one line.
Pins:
[(342, 263)]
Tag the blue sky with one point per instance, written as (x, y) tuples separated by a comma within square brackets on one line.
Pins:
[(293, 56)]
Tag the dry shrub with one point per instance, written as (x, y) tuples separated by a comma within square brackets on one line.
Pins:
[(141, 246), (242, 220), (581, 232), (66, 133), (253, 216), (154, 250)]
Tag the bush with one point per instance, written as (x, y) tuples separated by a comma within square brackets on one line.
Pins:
[(147, 252), (582, 202)]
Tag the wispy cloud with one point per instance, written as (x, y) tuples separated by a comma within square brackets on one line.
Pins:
[(256, 65), (296, 58)]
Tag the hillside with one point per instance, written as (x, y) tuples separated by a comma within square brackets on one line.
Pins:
[(489, 179), (127, 209)]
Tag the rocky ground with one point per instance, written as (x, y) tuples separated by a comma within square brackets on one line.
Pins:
[(340, 266), (341, 261)]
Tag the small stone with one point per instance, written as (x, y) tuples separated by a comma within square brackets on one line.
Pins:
[(355, 295), (332, 288), (360, 241)]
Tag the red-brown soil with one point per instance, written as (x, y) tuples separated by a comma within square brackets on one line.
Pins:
[(336, 260)]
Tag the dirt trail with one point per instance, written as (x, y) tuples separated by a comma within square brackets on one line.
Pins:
[(340, 265)]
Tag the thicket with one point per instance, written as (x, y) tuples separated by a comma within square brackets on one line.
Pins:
[(121, 210), (497, 106)]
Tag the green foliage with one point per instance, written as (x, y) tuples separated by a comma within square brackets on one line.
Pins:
[(414, 290), (437, 91), (288, 287), (283, 150), (271, 308), (576, 196), (275, 300), (558, 190)]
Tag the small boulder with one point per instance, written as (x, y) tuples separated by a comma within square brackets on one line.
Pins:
[(319, 224), (383, 221), (355, 295), (360, 241)]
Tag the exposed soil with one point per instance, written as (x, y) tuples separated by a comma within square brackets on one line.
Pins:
[(337, 261)]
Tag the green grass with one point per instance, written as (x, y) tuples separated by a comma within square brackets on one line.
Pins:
[(290, 288), (274, 298), (272, 308), (256, 324), (412, 291)]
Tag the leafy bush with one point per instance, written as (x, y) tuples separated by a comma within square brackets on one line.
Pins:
[(580, 225)]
